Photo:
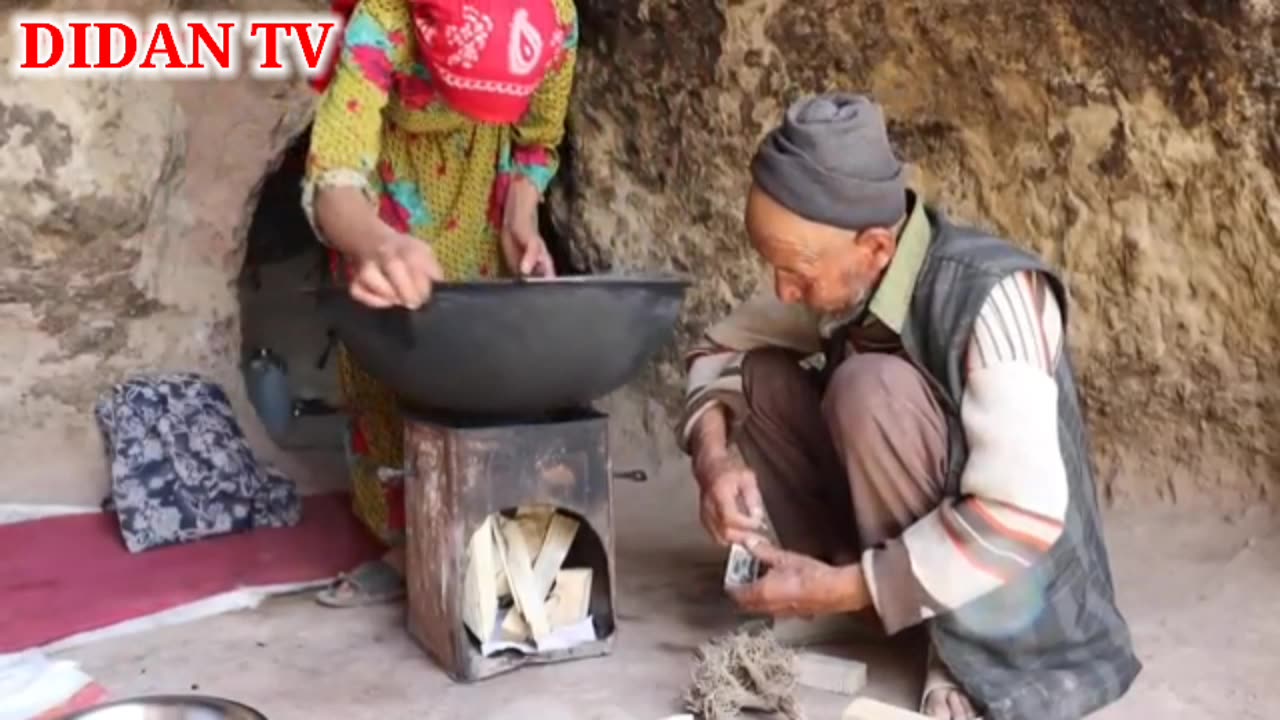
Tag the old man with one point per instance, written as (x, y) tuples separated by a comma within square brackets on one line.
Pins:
[(900, 411)]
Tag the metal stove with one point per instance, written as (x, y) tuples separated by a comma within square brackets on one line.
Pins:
[(460, 472), (502, 349)]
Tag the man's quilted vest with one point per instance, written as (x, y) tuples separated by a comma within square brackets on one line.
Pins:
[(1050, 645)]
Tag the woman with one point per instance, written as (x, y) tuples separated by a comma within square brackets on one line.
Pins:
[(433, 143)]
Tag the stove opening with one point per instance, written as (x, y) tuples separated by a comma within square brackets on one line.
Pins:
[(545, 561)]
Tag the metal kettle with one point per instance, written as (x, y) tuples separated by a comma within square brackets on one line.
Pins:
[(266, 379)]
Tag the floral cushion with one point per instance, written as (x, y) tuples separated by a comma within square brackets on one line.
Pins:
[(181, 469)]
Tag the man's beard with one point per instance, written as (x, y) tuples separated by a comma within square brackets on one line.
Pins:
[(846, 309), (861, 293), (859, 300)]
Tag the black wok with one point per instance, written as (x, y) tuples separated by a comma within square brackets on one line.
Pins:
[(512, 348)]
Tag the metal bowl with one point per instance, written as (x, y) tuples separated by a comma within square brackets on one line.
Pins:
[(170, 707), (512, 348)]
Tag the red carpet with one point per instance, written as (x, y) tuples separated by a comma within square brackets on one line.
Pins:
[(66, 575)]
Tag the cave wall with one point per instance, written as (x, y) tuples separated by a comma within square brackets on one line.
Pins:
[(1132, 143), (125, 206)]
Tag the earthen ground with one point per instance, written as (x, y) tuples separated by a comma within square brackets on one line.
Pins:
[(1195, 589)]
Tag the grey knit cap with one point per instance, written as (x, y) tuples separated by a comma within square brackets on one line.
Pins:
[(830, 162)]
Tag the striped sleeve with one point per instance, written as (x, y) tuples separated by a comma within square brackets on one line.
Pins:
[(714, 363), (714, 376), (346, 136), (1013, 489)]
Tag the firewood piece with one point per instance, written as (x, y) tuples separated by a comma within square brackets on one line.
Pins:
[(555, 547), (830, 673), (480, 592), (868, 709), (533, 521), (525, 590), (570, 600)]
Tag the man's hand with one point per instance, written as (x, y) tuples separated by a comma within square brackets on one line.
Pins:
[(523, 248), (730, 506), (798, 585), (398, 271)]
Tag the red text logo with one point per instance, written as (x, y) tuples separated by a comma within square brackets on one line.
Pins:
[(186, 45)]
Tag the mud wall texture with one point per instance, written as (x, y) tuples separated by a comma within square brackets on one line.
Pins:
[(125, 205), (1134, 144)]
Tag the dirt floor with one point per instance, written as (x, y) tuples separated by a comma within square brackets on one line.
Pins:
[(1190, 585)]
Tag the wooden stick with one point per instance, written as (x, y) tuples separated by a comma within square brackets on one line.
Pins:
[(868, 709), (525, 589)]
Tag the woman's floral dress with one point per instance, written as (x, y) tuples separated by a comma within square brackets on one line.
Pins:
[(435, 174)]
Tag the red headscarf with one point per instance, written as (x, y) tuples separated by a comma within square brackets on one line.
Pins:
[(486, 57)]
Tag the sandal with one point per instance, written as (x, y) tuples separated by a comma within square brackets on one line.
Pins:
[(373, 583)]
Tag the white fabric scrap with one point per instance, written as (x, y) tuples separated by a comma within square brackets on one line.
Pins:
[(564, 638), (31, 684)]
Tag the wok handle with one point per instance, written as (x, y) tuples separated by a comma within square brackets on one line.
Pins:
[(632, 475)]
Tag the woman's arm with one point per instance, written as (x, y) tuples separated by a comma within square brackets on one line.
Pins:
[(338, 194), (538, 134)]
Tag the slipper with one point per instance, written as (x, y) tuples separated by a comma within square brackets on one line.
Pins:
[(373, 583)]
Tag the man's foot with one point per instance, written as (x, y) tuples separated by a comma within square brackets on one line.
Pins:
[(948, 703), (942, 695)]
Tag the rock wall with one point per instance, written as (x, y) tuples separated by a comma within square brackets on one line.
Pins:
[(1132, 143), (125, 207)]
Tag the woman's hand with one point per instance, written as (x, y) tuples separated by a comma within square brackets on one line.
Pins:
[(391, 267), (523, 248), (398, 270)]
